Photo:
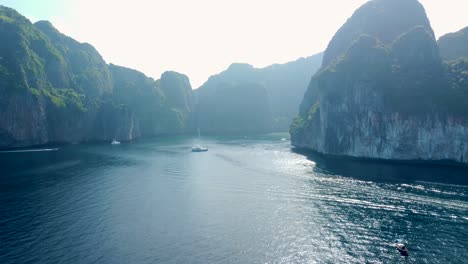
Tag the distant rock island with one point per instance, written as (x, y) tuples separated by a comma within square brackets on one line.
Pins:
[(384, 91), (244, 99)]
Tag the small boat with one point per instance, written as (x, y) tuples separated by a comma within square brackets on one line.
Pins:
[(115, 142), (199, 149), (402, 249)]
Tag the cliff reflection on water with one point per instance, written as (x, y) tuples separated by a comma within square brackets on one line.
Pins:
[(388, 171)]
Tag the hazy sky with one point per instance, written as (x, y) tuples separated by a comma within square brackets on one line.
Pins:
[(203, 37)]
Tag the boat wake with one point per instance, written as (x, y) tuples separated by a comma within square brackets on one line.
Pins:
[(29, 150)]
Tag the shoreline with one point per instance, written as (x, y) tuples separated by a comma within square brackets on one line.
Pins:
[(436, 163)]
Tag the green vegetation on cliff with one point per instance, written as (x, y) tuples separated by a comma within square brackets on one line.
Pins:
[(55, 89), (162, 107), (408, 73), (373, 19), (384, 92)]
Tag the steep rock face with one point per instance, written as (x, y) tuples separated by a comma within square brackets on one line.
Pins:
[(22, 120), (54, 89), (377, 18), (454, 45), (235, 108), (159, 107), (85, 78), (22, 71), (179, 102), (87, 71), (284, 85), (114, 122), (52, 86), (386, 100), (178, 90)]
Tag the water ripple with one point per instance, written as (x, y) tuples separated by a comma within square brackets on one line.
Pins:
[(244, 201)]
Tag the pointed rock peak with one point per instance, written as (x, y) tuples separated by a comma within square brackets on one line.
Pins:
[(416, 35), (173, 75), (237, 71), (10, 15), (44, 24), (47, 28), (363, 47), (174, 79), (383, 19), (240, 67), (454, 45), (462, 32), (178, 91), (417, 47)]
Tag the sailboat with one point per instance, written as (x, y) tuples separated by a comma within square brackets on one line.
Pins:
[(198, 148)]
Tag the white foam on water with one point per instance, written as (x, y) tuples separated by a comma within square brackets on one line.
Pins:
[(29, 150)]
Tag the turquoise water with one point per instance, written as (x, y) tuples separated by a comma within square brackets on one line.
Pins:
[(247, 200)]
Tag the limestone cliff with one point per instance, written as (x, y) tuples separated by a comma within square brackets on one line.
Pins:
[(54, 89), (454, 45), (388, 95), (281, 86), (383, 19), (235, 107)]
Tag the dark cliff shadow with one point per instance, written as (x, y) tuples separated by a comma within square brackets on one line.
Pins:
[(387, 171)]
